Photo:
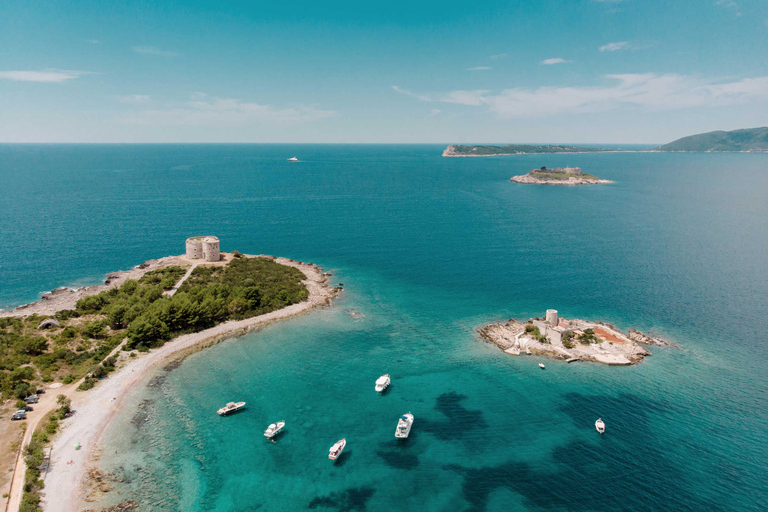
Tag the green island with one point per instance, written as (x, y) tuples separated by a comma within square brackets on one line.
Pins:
[(754, 140), (455, 150), (558, 176)]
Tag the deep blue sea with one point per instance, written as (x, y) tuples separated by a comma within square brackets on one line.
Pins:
[(428, 249)]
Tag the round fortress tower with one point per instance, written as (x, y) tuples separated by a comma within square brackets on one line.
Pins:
[(203, 248), (195, 247), (211, 249), (552, 317)]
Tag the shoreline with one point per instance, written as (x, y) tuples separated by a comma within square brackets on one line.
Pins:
[(527, 179), (95, 409)]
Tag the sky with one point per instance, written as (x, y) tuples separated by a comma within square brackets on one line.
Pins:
[(416, 71)]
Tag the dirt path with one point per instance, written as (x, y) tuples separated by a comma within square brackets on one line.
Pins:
[(176, 287), (48, 402)]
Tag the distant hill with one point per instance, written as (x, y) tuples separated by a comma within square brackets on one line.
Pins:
[(515, 149), (750, 139)]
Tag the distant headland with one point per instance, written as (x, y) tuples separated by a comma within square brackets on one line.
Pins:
[(558, 176), (750, 140), (516, 149), (572, 340)]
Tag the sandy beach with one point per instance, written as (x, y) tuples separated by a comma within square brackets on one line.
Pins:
[(64, 483)]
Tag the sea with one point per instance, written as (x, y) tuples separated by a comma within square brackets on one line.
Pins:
[(428, 249)]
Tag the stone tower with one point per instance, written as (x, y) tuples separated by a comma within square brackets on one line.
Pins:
[(203, 248), (552, 317)]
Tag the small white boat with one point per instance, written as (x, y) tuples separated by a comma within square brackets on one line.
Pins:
[(274, 429), (230, 408), (404, 425), (541, 365), (599, 425), (382, 383), (336, 449), (293, 159)]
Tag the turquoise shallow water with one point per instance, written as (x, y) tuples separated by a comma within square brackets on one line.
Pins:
[(428, 248)]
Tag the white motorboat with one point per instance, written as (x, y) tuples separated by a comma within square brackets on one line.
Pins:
[(599, 425), (336, 449), (404, 425), (541, 365), (293, 159), (382, 383), (230, 408), (274, 429)]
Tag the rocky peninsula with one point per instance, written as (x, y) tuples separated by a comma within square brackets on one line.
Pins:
[(571, 340), (108, 337), (558, 176)]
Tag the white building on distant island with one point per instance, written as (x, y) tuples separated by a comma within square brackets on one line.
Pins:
[(203, 248)]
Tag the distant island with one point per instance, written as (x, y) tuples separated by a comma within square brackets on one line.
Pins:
[(558, 176), (516, 149), (753, 140), (572, 340)]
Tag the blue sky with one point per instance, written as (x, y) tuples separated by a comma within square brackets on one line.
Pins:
[(619, 71)]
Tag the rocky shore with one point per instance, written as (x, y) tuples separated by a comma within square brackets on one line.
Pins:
[(571, 340)]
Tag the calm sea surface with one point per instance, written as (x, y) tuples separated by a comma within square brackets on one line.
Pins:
[(428, 248)]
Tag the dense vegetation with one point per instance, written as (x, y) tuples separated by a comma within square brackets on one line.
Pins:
[(751, 139), (212, 294), (519, 149), (139, 311)]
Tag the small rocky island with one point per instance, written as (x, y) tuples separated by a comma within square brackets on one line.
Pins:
[(572, 340), (558, 176)]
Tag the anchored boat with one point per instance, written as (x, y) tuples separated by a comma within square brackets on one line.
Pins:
[(230, 408), (404, 425), (336, 449), (382, 383), (599, 425), (541, 365), (274, 429)]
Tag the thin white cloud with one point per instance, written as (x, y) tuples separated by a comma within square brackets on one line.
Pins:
[(650, 91), (729, 4), (553, 61), (434, 111), (612, 47), (45, 76), (218, 112), (498, 56), (479, 68), (93, 41), (154, 50), (133, 98), (422, 97)]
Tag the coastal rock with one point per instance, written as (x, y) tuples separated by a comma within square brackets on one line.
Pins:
[(639, 337)]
